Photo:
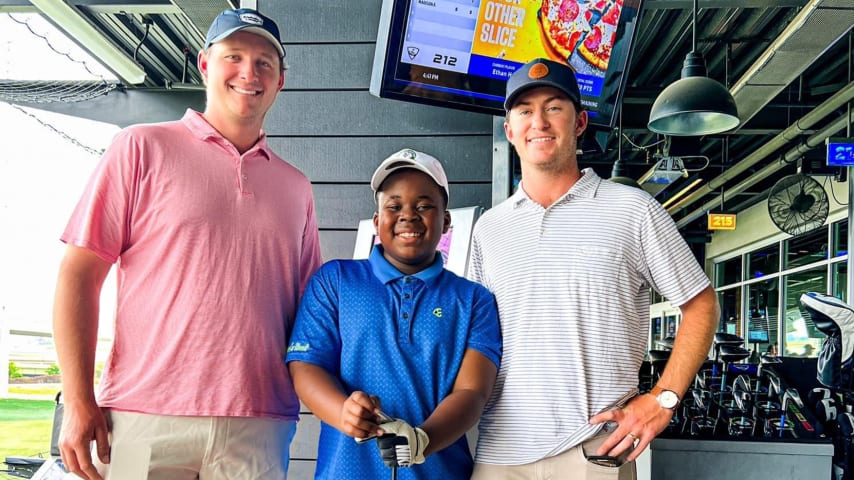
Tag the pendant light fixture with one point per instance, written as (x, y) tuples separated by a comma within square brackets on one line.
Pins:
[(619, 173), (695, 104)]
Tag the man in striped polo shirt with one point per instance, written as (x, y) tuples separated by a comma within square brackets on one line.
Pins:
[(570, 259)]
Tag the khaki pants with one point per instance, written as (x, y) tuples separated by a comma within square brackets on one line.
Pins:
[(569, 465), (164, 447)]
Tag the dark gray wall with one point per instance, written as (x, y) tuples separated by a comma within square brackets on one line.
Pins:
[(327, 124)]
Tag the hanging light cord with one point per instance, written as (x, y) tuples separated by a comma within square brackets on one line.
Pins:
[(694, 27)]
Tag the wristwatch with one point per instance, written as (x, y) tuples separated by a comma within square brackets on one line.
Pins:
[(666, 398)]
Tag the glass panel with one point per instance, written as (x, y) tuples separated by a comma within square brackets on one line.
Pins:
[(730, 302), (840, 238), (728, 272), (670, 322), (806, 249), (840, 280), (656, 329), (763, 262), (762, 311), (802, 338)]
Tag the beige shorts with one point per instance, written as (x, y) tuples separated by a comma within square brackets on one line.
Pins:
[(572, 464), (163, 447)]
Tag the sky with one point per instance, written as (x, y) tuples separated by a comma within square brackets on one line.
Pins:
[(42, 174)]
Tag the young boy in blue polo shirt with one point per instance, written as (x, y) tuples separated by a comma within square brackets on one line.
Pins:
[(397, 334)]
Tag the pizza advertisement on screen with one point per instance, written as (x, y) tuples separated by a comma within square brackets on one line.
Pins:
[(459, 53)]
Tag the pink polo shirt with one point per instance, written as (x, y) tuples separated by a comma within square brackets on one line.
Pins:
[(213, 251)]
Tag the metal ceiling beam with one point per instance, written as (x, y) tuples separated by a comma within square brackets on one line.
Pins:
[(203, 12), (783, 161), (788, 135), (69, 20), (817, 27)]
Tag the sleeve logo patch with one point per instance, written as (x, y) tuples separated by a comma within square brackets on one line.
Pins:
[(299, 347)]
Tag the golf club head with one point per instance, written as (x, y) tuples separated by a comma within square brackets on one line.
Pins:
[(742, 400), (741, 389), (773, 383), (733, 353), (699, 401), (724, 338), (794, 396)]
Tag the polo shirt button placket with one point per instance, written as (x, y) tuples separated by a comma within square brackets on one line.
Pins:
[(406, 307), (241, 175)]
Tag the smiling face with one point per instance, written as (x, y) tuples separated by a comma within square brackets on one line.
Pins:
[(410, 220), (544, 127), (243, 74)]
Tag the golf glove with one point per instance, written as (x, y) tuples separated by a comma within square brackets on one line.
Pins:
[(402, 445)]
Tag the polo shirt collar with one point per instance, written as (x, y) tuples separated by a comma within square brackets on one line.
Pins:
[(386, 272), (198, 126), (585, 187)]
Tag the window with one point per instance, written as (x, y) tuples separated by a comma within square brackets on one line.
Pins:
[(806, 249), (802, 338), (840, 238), (759, 292), (763, 262), (840, 280), (728, 272), (762, 306), (730, 302)]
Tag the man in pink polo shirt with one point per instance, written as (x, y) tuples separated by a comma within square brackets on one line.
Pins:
[(214, 238)]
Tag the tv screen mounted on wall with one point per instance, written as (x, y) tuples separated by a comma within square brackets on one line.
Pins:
[(459, 53)]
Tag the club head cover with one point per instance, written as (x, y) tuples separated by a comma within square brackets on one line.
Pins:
[(846, 424), (833, 317), (817, 394)]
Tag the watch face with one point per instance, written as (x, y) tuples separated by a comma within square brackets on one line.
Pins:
[(668, 399)]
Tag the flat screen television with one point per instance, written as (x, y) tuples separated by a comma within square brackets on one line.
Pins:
[(459, 53), (757, 336)]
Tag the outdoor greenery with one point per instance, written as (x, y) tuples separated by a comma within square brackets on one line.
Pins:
[(14, 371), (52, 370), (26, 427), (35, 391)]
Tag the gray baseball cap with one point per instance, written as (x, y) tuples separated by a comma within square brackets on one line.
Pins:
[(409, 158)]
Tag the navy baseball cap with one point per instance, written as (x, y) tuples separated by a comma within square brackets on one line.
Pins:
[(541, 72), (244, 19)]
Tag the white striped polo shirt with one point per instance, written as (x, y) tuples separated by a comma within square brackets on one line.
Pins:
[(572, 284)]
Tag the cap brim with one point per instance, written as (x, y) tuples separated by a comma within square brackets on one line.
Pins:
[(508, 102), (248, 28), (381, 174)]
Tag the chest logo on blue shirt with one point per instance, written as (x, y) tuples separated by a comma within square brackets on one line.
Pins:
[(437, 312)]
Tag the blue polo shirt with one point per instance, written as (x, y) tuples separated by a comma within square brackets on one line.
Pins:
[(399, 337)]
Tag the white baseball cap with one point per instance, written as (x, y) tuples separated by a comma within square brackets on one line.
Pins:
[(409, 158)]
